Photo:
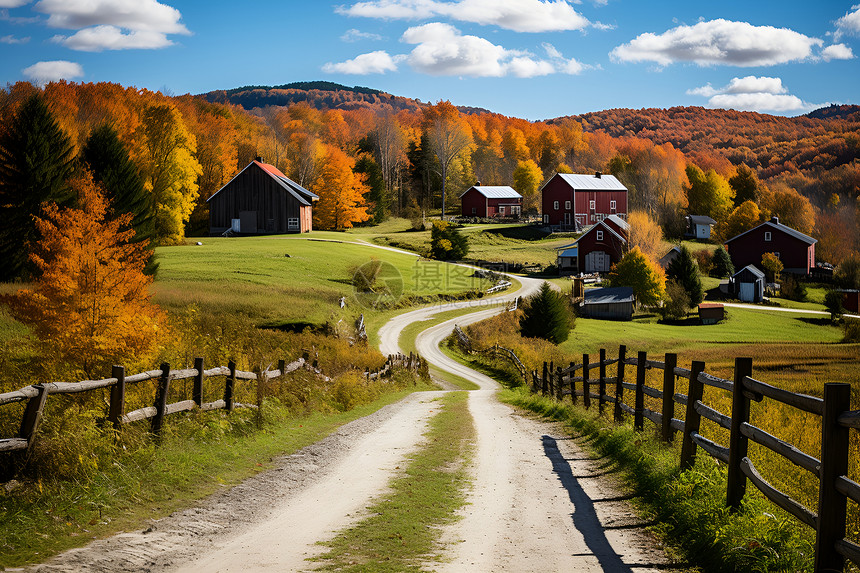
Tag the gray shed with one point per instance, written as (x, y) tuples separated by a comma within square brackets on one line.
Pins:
[(748, 284), (614, 303), (699, 226)]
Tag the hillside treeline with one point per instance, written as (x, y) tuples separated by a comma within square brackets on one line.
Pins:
[(377, 160)]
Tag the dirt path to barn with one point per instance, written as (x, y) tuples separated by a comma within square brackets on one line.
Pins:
[(537, 502)]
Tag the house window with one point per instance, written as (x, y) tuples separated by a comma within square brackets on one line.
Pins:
[(612, 206), (555, 205), (567, 205), (474, 210), (591, 204), (292, 223), (599, 235), (501, 209), (767, 236)]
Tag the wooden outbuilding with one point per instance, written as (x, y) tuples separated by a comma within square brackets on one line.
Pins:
[(596, 250), (667, 259), (490, 201), (575, 201), (699, 227), (711, 312), (260, 200), (748, 284), (611, 303), (794, 249)]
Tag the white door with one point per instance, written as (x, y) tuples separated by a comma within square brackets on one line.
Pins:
[(597, 262), (747, 292)]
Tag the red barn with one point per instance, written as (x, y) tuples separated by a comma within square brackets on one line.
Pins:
[(580, 200), (597, 249), (261, 200), (793, 248), (488, 201)]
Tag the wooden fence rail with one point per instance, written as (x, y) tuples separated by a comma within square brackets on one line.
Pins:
[(37, 394), (835, 487)]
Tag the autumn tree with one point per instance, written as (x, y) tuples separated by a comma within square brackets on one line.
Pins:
[(112, 168), (36, 161), (448, 135), (341, 192), (792, 208), (745, 216), (636, 271), (745, 184), (447, 243), (90, 303), (546, 315), (646, 234), (685, 272), (527, 179), (708, 193), (847, 273), (771, 265), (170, 170)]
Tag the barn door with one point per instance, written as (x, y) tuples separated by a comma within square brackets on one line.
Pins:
[(597, 262), (747, 292)]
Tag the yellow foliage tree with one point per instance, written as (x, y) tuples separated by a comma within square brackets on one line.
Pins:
[(341, 192), (638, 272), (91, 302), (646, 234)]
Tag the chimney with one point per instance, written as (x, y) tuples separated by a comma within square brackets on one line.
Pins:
[(597, 174), (774, 220), (478, 184), (258, 159)]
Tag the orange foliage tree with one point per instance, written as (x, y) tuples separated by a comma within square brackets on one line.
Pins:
[(91, 302), (341, 192)]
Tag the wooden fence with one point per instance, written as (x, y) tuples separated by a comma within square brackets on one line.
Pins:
[(37, 394), (494, 351), (835, 488)]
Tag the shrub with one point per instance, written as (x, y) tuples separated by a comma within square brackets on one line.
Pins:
[(833, 302), (546, 315), (851, 330), (676, 303), (793, 289), (771, 265), (446, 242), (847, 273), (705, 260)]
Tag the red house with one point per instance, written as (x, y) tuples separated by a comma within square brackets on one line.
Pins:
[(793, 248), (580, 200), (597, 249), (488, 201), (261, 200)]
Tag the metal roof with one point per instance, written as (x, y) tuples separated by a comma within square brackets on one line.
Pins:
[(495, 191), (302, 195), (701, 220), (605, 227), (775, 224), (619, 221), (592, 182), (751, 268), (608, 295), (570, 252)]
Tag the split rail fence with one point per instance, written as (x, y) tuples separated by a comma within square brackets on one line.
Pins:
[(36, 395), (835, 487)]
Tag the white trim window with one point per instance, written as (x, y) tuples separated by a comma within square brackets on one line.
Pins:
[(567, 205), (555, 205), (591, 204), (767, 236), (612, 205), (293, 224), (474, 210), (502, 210), (599, 234)]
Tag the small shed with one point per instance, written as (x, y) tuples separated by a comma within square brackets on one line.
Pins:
[(748, 284), (568, 259), (851, 300), (489, 201), (711, 312), (612, 303), (666, 259), (699, 226)]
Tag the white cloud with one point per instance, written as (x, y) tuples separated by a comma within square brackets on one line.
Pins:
[(13, 3), (113, 24), (517, 15), (719, 42), (377, 62), (355, 35), (13, 40), (849, 23), (44, 72), (751, 93), (441, 50), (837, 52)]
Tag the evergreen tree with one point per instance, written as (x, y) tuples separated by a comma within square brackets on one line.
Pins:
[(546, 315), (36, 161), (376, 197), (684, 271), (723, 266), (110, 165)]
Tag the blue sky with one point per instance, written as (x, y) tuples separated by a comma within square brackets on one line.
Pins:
[(534, 59)]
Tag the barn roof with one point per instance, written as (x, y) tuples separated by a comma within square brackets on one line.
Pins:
[(701, 220), (604, 227), (622, 224), (776, 225), (495, 191), (595, 182), (302, 195), (608, 295)]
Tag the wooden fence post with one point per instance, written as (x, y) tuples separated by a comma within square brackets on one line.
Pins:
[(117, 397), (639, 404), (619, 384), (228, 386), (667, 434), (197, 391), (571, 376), (559, 381), (832, 504), (544, 380), (738, 443), (601, 387), (551, 378), (282, 365), (33, 414), (535, 382), (586, 385), (692, 418), (161, 399)]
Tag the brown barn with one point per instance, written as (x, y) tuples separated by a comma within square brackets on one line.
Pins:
[(793, 248), (576, 201), (488, 201), (612, 303), (261, 200), (596, 250)]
